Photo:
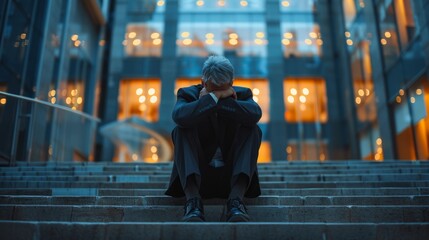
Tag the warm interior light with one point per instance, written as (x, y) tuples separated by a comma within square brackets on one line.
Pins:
[(305, 91), (185, 34), (387, 34), (379, 141), (209, 35), (209, 41), (243, 3), (285, 3), (361, 92), (290, 99), (412, 99), (260, 34), (319, 42), (157, 41), (401, 92), (233, 35), (139, 91), (3, 101), (153, 149), (398, 99), (187, 41), (200, 3), (383, 41), (221, 3), (313, 35), (153, 99), (302, 99), (155, 35), (308, 41), (286, 41), (79, 100), (132, 35), (255, 98), (347, 34), (288, 35), (74, 37), (256, 91), (358, 100), (233, 41), (161, 3), (259, 41), (151, 91), (136, 42), (419, 91), (349, 42), (293, 91), (142, 99)]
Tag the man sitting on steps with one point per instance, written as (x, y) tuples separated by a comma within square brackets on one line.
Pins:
[(216, 143)]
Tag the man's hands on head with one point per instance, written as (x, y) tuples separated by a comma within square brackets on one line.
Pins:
[(222, 93)]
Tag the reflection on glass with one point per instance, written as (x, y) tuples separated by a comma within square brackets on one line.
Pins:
[(371, 144), (143, 40), (305, 100), (311, 150), (411, 109), (139, 97), (388, 38), (297, 6), (222, 5), (407, 25)]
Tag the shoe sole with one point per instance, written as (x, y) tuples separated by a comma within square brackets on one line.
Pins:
[(193, 219), (238, 218)]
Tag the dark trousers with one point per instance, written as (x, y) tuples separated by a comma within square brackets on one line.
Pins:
[(195, 147)]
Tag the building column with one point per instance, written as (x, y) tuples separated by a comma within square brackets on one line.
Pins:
[(385, 122), (168, 66), (276, 127)]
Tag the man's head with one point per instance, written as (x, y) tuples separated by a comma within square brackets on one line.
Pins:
[(218, 73)]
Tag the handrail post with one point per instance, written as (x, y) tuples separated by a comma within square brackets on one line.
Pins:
[(15, 136)]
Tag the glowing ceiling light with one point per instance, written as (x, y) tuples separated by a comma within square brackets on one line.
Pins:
[(74, 37), (387, 34), (185, 34), (244, 3), (200, 3), (412, 99), (157, 41), (221, 3), (398, 99), (361, 92), (233, 41), (187, 41), (209, 41), (319, 42), (151, 91), (293, 91), (132, 35), (347, 34), (256, 91), (260, 34), (291, 99), (153, 149), (379, 141), (305, 91), (308, 41), (155, 35), (302, 99), (401, 92), (259, 41), (288, 35), (286, 41), (358, 100), (349, 42), (3, 101), (285, 3), (419, 91), (142, 99), (313, 35), (209, 35), (136, 42), (139, 91), (161, 3), (233, 35), (255, 98), (79, 100), (153, 99)]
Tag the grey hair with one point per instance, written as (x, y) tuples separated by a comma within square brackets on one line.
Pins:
[(218, 70)]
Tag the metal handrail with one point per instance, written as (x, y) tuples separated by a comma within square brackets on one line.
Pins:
[(35, 100)]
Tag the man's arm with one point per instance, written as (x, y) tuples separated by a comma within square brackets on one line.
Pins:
[(188, 112), (245, 111)]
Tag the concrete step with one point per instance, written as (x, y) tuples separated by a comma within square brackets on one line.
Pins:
[(163, 185), (263, 200), (266, 178), (53, 172), (215, 213), (185, 231), (411, 191)]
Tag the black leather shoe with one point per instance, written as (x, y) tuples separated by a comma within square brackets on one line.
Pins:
[(194, 210), (236, 211)]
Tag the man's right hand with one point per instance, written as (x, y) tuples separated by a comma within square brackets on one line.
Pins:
[(230, 92)]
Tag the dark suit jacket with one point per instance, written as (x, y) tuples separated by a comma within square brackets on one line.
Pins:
[(189, 109)]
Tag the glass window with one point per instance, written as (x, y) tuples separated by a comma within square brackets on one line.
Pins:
[(145, 38), (307, 150), (405, 17), (139, 97), (412, 122), (389, 37), (305, 100), (371, 144), (225, 28), (301, 35)]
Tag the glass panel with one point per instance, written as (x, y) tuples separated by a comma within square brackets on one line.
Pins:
[(310, 150), (405, 145), (389, 37), (264, 155), (419, 99), (371, 145), (139, 97), (222, 5), (405, 17), (305, 100), (145, 38)]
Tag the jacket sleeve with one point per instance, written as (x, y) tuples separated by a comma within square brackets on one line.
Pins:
[(188, 111), (244, 110)]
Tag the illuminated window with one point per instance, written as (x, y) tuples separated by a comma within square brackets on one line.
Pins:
[(371, 145), (305, 100), (307, 150), (70, 94), (259, 89), (301, 39), (144, 39), (411, 109), (407, 25), (389, 38), (140, 97), (264, 155)]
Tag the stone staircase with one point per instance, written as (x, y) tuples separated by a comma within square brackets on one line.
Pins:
[(300, 200)]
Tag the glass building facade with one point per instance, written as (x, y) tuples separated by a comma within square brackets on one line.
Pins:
[(344, 79)]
